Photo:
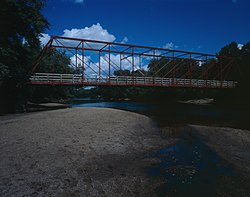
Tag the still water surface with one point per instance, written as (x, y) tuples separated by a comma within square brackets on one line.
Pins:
[(179, 113)]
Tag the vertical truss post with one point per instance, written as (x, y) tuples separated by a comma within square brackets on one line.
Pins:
[(190, 72), (202, 69), (83, 61), (190, 66), (120, 64), (154, 68), (133, 64), (206, 70), (109, 63), (206, 73), (221, 77), (76, 62), (174, 65), (140, 63), (99, 66)]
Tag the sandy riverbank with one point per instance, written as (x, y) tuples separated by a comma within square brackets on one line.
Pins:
[(100, 152), (77, 152)]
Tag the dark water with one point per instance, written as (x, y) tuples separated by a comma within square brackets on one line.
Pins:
[(188, 168), (178, 113)]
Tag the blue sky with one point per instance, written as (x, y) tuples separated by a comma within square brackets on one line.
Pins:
[(193, 25)]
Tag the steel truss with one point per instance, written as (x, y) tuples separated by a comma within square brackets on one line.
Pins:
[(95, 62)]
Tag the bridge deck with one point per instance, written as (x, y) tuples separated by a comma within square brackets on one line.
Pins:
[(76, 79)]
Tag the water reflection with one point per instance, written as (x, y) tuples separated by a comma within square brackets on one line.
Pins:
[(189, 168), (178, 113), (142, 108)]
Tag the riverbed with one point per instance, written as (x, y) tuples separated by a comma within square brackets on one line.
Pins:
[(91, 150)]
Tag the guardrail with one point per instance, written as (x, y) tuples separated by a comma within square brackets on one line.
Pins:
[(54, 77), (71, 79)]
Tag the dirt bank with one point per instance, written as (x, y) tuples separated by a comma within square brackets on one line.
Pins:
[(77, 152)]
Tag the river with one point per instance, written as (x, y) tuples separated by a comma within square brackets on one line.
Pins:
[(178, 113)]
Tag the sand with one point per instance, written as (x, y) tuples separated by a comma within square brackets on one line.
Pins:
[(100, 152), (77, 152)]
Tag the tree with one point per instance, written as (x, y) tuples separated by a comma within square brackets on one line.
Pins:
[(122, 73), (245, 65), (240, 68), (52, 62), (230, 63), (230, 50), (21, 24)]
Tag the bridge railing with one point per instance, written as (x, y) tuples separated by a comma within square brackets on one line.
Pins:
[(53, 78)]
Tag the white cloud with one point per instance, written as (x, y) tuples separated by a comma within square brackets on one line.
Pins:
[(170, 45), (95, 32), (92, 66), (44, 38), (76, 1), (240, 46), (125, 39), (115, 63), (78, 59), (91, 61), (79, 1)]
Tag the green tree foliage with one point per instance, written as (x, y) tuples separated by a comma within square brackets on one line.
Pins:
[(159, 68), (52, 62), (177, 68), (239, 70), (245, 65), (232, 58), (122, 73), (230, 50), (240, 66), (55, 62), (21, 24)]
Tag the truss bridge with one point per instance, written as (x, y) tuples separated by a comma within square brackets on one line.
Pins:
[(74, 61)]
